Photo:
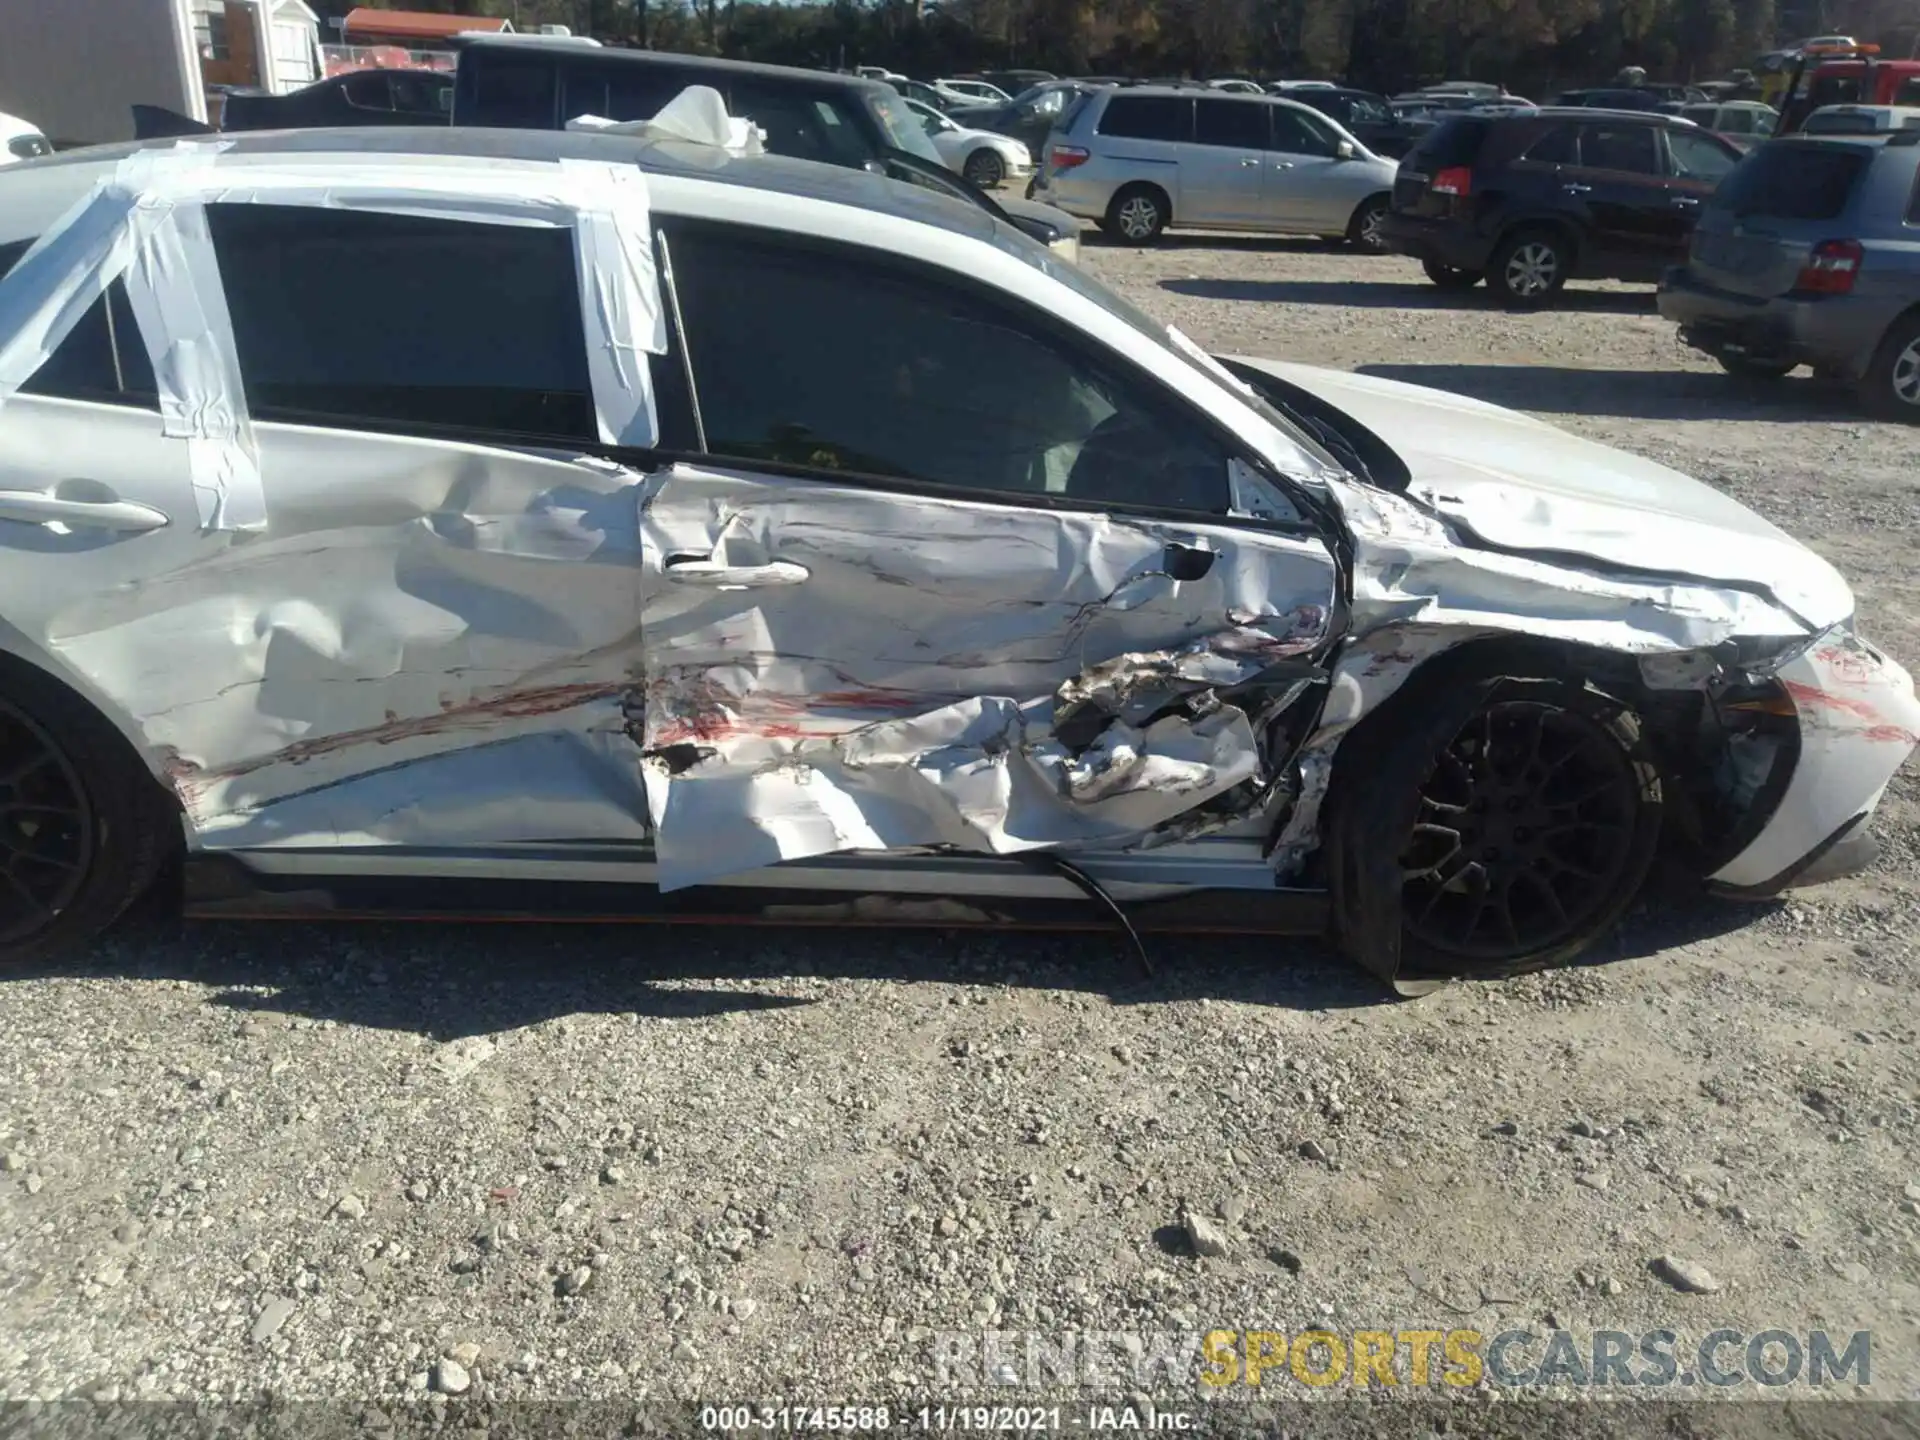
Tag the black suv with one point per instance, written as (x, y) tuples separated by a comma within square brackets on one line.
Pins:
[(1368, 117), (808, 114), (1529, 201)]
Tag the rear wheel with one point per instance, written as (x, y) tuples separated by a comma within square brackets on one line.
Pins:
[(1529, 268), (83, 828), (985, 168), (1449, 277), (1745, 367), (1137, 215), (1891, 386), (1363, 231)]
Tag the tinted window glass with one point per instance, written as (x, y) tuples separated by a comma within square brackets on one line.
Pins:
[(798, 124), (394, 321), (1298, 134), (367, 92), (1242, 124), (1704, 114), (418, 94), (102, 359), (1556, 147), (512, 91), (1908, 93), (1148, 117), (1367, 112), (1697, 157), (1792, 181), (1452, 142), (826, 360), (1628, 148), (1834, 90)]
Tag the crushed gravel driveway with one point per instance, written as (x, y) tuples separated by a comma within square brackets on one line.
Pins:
[(531, 1161)]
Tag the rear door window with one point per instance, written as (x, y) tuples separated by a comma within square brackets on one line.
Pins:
[(370, 91), (800, 124), (400, 322), (1237, 124), (1792, 181), (1148, 117), (102, 359), (1627, 149)]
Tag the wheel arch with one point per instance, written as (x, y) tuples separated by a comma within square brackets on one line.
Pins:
[(20, 655), (1396, 677), (1153, 187)]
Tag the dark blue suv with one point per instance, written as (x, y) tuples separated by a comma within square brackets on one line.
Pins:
[(1531, 200)]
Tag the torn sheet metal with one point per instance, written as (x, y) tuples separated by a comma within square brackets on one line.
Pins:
[(145, 224), (931, 672)]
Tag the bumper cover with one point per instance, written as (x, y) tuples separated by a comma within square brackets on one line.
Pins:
[(1449, 242), (1859, 722), (1834, 332)]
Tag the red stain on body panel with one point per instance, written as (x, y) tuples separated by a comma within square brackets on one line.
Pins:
[(1812, 699), (453, 715)]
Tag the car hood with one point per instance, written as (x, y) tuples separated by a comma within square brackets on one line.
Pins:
[(1509, 482)]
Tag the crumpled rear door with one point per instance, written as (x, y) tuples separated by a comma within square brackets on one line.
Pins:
[(837, 667)]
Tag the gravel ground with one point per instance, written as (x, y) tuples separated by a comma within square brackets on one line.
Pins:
[(574, 1162)]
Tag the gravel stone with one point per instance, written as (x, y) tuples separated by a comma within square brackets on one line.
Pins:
[(1207, 1238), (450, 1377), (1685, 1275)]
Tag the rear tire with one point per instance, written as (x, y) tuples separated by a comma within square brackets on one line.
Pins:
[(1363, 230), (1529, 268), (985, 168), (1891, 386), (1447, 277), (1743, 367), (1137, 215), (83, 827)]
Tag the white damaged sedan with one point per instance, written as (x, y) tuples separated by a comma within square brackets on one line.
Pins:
[(425, 518)]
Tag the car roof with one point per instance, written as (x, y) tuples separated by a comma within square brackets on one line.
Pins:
[(664, 60), (1205, 92), (532, 149), (1597, 112)]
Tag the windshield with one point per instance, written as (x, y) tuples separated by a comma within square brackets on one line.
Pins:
[(901, 126)]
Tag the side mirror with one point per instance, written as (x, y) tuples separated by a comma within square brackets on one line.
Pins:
[(1343, 151)]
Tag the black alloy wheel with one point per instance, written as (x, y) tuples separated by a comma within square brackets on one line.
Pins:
[(1526, 835), (46, 828)]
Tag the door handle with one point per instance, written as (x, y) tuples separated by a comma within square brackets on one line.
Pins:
[(35, 507), (704, 570), (1686, 202), (1187, 562), (1249, 159), (1283, 164), (1575, 189)]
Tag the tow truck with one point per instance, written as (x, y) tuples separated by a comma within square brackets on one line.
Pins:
[(1845, 75)]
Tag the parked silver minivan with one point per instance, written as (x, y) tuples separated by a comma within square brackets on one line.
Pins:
[(1145, 157)]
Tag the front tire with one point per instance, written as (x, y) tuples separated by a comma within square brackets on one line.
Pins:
[(1530, 268), (985, 168), (1891, 386), (1363, 230), (83, 827), (1449, 277), (1137, 215), (1525, 814)]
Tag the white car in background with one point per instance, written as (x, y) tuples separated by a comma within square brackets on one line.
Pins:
[(984, 157), (786, 542), (21, 141), (973, 92)]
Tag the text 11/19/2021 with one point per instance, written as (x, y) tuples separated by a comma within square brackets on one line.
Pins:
[(936, 1419)]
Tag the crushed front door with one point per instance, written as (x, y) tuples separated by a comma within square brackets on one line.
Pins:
[(835, 667)]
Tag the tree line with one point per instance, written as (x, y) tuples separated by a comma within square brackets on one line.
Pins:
[(1534, 47)]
